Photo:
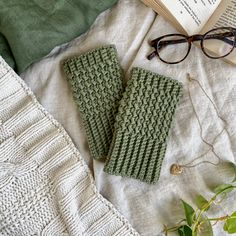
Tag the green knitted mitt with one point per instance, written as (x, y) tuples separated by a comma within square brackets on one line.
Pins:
[(142, 125), (96, 82)]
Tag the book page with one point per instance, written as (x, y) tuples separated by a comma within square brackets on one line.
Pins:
[(161, 10), (191, 14), (225, 15)]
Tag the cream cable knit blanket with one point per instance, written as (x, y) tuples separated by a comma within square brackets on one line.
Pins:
[(45, 186)]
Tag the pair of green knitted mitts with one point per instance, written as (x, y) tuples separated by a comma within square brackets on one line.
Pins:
[(128, 126)]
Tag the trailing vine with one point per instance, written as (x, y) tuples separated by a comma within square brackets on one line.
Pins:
[(196, 221)]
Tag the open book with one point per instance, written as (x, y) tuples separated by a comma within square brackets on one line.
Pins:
[(197, 16)]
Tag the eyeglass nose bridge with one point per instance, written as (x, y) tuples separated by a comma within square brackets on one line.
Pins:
[(195, 37)]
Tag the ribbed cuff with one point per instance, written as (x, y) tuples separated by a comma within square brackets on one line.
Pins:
[(96, 82), (142, 126)]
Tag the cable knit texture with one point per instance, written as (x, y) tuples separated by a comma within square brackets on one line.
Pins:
[(45, 186), (142, 125), (95, 79)]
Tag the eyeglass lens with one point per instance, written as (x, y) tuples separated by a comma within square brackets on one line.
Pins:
[(172, 49), (218, 43)]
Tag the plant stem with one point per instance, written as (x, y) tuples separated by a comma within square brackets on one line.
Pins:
[(196, 223), (172, 229), (219, 218)]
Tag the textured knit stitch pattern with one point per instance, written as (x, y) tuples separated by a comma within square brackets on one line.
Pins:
[(142, 126), (45, 186), (96, 82)]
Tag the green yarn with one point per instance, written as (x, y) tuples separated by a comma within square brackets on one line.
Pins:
[(96, 82), (142, 126)]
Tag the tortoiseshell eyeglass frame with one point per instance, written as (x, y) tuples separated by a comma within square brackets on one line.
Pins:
[(158, 44)]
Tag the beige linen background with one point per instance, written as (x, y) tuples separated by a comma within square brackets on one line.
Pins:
[(129, 25)]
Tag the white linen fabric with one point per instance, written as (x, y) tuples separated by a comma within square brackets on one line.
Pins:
[(129, 26), (45, 186)]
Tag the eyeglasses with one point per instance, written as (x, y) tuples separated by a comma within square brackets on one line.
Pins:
[(216, 43)]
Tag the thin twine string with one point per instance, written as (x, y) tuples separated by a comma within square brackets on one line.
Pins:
[(217, 112), (179, 167)]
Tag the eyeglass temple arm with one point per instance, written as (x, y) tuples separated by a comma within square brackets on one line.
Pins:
[(193, 38), (222, 37)]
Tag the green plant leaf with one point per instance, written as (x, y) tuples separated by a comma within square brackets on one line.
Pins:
[(201, 202), (205, 228), (223, 188), (185, 230), (234, 167), (230, 224), (189, 213)]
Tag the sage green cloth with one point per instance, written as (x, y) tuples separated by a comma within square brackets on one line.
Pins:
[(30, 29), (142, 125), (97, 86)]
